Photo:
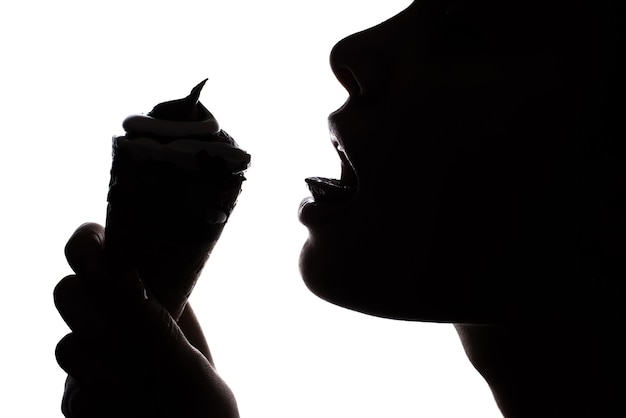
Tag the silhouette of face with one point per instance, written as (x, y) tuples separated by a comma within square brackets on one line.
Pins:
[(457, 183)]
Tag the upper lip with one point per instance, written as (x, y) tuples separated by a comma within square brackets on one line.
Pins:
[(336, 190), (348, 171)]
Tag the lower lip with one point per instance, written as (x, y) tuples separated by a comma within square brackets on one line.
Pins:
[(312, 212), (307, 210)]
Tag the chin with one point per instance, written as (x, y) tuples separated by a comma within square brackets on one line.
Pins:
[(462, 284), (380, 284)]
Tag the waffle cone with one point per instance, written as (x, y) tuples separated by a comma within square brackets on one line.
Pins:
[(164, 222)]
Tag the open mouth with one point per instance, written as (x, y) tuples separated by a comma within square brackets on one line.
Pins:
[(338, 191)]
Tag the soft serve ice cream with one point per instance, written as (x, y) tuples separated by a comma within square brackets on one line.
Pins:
[(175, 179), (177, 131)]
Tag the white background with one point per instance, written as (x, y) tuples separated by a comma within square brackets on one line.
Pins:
[(72, 70)]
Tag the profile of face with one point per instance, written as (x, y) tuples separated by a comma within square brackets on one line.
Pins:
[(460, 146)]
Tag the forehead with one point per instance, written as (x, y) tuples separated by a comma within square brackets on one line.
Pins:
[(554, 11), (524, 19)]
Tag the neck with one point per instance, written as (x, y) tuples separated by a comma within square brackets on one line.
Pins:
[(550, 369)]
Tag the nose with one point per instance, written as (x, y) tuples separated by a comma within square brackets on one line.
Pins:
[(367, 62), (362, 62)]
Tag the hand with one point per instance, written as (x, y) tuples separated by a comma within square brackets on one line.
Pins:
[(126, 356)]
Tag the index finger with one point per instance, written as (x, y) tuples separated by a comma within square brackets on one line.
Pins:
[(84, 250)]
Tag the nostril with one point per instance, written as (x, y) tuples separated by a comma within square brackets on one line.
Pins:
[(348, 80)]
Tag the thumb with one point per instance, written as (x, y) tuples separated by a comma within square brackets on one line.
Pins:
[(153, 341), (139, 317), (122, 301)]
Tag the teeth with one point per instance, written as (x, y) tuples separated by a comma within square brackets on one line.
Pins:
[(348, 175), (329, 190)]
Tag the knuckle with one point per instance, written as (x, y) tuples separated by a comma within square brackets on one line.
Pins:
[(61, 290), (64, 348)]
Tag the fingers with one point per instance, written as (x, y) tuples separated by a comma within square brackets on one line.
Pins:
[(103, 401), (78, 402), (125, 351), (85, 250), (118, 317), (128, 357), (84, 365), (102, 343), (92, 369), (78, 306), (69, 406), (100, 305)]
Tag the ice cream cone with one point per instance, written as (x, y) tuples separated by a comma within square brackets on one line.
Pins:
[(167, 208)]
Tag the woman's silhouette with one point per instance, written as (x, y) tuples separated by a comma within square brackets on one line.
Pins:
[(483, 184)]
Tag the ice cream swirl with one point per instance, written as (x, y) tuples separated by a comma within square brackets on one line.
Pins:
[(178, 131)]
